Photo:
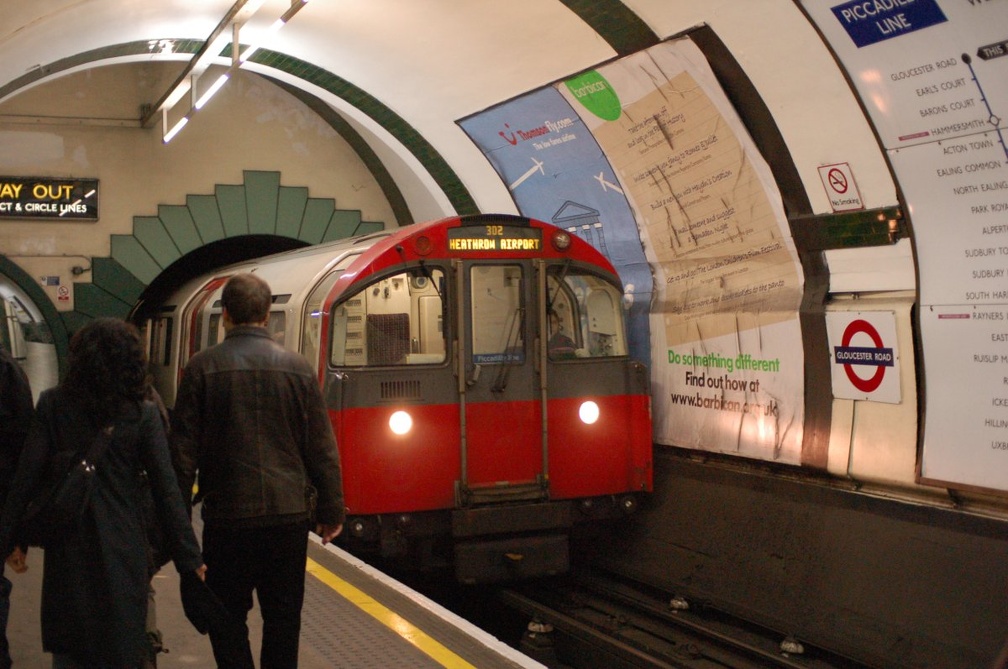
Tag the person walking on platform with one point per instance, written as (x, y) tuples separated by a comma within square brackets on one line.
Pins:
[(249, 418), (94, 582), (16, 409)]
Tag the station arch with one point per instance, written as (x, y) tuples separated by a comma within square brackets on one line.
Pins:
[(235, 222)]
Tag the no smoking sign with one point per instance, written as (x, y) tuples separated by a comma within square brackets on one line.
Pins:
[(864, 355), (838, 180)]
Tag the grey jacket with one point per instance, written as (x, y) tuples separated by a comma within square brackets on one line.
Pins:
[(250, 419)]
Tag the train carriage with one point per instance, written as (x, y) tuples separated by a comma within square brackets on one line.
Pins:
[(477, 379)]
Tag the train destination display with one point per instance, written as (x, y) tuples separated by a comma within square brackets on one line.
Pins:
[(492, 238)]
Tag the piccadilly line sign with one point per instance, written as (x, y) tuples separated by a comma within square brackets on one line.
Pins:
[(49, 198)]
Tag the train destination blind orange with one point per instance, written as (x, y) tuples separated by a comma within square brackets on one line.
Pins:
[(493, 238)]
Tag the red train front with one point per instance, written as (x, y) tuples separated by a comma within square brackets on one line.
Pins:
[(478, 381)]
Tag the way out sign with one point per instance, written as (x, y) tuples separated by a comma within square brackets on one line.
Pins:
[(864, 355)]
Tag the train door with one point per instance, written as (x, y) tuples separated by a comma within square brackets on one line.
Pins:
[(192, 322), (501, 412)]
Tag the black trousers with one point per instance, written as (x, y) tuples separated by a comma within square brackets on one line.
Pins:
[(271, 562)]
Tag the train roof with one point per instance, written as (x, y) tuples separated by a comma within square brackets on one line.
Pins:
[(432, 241), (293, 272)]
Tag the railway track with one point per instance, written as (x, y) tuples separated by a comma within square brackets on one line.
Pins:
[(600, 621)]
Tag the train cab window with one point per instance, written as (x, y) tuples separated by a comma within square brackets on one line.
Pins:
[(498, 312), (397, 320), (588, 311)]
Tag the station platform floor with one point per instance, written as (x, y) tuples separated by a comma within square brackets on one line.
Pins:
[(354, 617)]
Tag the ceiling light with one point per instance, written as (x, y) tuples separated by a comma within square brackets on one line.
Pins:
[(209, 93), (239, 13), (168, 136)]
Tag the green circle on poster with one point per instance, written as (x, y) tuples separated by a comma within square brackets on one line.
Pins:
[(596, 94)]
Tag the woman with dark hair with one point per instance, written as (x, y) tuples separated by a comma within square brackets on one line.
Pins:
[(16, 411), (95, 579)]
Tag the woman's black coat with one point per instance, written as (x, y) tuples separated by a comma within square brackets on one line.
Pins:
[(94, 585)]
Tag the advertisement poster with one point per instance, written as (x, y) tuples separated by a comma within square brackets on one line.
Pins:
[(726, 349), (933, 75), (557, 173)]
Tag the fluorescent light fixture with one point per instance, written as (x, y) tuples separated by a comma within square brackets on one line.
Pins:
[(251, 7), (176, 94), (175, 129), (240, 12), (296, 6), (277, 25), (214, 87)]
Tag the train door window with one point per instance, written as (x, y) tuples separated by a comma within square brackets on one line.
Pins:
[(197, 319), (277, 326), (397, 320), (198, 331), (498, 310), (215, 331), (588, 310), (311, 327), (160, 342)]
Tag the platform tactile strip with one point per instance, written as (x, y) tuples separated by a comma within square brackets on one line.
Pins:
[(347, 637)]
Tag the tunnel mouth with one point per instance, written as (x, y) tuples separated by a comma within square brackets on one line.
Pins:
[(204, 260)]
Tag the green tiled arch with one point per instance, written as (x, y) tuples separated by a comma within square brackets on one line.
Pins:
[(259, 206)]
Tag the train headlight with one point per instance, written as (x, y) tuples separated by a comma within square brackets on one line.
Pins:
[(400, 422), (561, 240), (589, 412), (423, 245)]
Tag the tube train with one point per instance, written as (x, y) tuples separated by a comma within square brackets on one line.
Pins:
[(11, 334), (478, 382)]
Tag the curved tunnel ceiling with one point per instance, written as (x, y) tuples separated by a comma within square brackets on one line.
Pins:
[(359, 85), (342, 55)]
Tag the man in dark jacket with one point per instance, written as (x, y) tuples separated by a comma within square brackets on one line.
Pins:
[(16, 409), (249, 417)]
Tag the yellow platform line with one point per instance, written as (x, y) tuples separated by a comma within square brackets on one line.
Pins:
[(389, 618)]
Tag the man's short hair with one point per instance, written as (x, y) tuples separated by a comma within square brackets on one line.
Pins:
[(247, 299)]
